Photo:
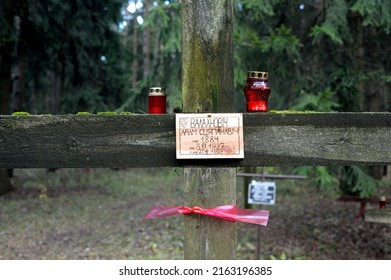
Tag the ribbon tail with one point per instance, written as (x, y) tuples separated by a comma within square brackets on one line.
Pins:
[(226, 212), (258, 217), (162, 211), (234, 214)]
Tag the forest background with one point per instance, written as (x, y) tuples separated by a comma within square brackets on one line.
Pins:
[(65, 57)]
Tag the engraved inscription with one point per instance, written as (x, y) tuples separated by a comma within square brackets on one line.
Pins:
[(209, 136)]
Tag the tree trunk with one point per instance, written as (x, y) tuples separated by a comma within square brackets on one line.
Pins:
[(5, 78), (17, 75), (134, 53), (146, 42), (56, 80), (207, 86), (18, 89), (373, 100)]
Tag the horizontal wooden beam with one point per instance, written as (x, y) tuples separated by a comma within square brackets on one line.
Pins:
[(149, 141), (378, 216), (271, 176), (351, 198)]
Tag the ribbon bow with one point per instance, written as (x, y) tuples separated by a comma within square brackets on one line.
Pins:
[(226, 212)]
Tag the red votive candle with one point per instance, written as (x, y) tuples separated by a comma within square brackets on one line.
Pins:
[(257, 91), (157, 100), (382, 202)]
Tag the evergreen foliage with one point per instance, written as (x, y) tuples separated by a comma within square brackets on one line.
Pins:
[(61, 45), (163, 23), (323, 55), (95, 56)]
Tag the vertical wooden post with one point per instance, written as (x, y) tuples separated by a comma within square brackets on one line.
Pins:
[(207, 86)]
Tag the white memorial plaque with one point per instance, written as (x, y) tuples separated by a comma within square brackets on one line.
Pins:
[(200, 136), (262, 193)]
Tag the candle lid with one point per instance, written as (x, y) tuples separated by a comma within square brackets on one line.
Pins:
[(157, 91), (258, 74)]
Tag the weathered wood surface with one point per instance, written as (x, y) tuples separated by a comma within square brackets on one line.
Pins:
[(207, 56), (207, 237), (149, 141), (207, 87), (378, 216)]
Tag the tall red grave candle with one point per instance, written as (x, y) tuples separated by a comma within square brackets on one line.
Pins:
[(257, 91), (157, 100), (382, 202)]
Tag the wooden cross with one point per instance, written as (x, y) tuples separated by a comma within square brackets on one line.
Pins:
[(125, 141)]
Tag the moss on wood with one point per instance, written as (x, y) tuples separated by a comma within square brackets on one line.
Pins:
[(292, 112), (84, 114), (107, 113), (20, 114)]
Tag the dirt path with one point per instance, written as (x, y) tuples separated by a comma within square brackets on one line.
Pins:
[(99, 214)]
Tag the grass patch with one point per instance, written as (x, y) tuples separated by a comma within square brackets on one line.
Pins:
[(98, 214), (89, 214)]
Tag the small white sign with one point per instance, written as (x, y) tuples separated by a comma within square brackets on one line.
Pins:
[(262, 193), (209, 136)]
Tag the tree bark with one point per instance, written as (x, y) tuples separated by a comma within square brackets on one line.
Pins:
[(5, 78), (146, 42), (371, 89), (57, 82), (17, 74), (207, 78), (207, 86), (134, 53)]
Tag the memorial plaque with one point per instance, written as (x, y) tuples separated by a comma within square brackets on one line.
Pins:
[(209, 136), (262, 193)]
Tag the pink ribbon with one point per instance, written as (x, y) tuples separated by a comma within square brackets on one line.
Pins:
[(226, 212)]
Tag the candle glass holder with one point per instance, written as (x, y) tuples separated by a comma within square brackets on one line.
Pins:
[(382, 202), (257, 91), (157, 100)]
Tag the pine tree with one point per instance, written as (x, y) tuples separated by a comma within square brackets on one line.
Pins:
[(322, 55)]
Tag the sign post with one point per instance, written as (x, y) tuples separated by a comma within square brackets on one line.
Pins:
[(262, 193)]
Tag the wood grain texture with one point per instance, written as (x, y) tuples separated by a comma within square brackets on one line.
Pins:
[(207, 87), (86, 141), (378, 216), (149, 141), (207, 56), (208, 237)]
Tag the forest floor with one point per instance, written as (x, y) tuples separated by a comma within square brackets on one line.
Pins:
[(98, 214)]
